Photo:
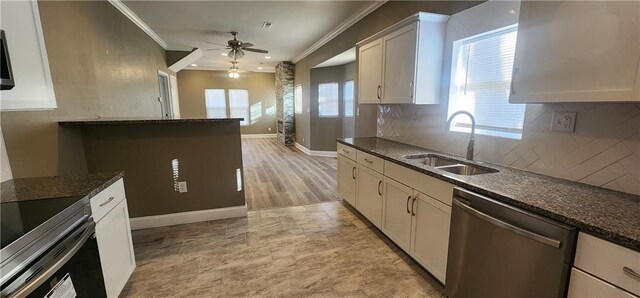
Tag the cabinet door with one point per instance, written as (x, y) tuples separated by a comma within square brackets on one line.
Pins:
[(369, 194), (400, 65), (577, 51), (397, 212), (116, 248), (585, 285), (370, 72), (347, 179), (430, 234)]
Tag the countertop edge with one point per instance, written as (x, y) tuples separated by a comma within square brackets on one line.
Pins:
[(613, 237), (105, 185), (107, 121)]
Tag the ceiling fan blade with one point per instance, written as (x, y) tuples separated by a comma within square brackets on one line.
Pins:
[(246, 45), (256, 50), (215, 49), (215, 43)]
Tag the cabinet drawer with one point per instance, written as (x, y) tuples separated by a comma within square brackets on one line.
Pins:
[(370, 161), (607, 261), (433, 187), (347, 151), (104, 201), (585, 285)]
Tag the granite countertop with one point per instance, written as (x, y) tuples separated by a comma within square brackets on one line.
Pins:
[(142, 120), (608, 214), (26, 189)]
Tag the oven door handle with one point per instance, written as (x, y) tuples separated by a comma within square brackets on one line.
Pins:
[(35, 282), (507, 226)]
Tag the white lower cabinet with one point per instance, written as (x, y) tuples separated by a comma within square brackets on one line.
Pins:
[(585, 285), (397, 212), (347, 179), (369, 194), (430, 234), (113, 234)]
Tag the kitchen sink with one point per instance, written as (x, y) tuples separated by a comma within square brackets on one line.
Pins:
[(450, 165), (466, 170), (433, 160)]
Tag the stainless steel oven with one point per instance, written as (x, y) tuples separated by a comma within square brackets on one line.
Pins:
[(496, 250), (49, 249)]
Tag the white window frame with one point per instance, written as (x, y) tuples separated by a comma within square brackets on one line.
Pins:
[(461, 123), (239, 109), (337, 101), (344, 99), (206, 103)]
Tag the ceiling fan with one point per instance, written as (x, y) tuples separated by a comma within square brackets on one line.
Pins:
[(237, 47)]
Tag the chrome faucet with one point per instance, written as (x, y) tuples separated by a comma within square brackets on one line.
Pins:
[(473, 131)]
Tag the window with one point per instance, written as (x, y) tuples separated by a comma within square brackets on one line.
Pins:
[(239, 105), (328, 104), (480, 84), (348, 98), (298, 98), (216, 103)]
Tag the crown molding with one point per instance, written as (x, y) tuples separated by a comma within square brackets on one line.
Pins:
[(341, 28), (136, 20)]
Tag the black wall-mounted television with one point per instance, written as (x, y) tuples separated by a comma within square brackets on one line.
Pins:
[(6, 75)]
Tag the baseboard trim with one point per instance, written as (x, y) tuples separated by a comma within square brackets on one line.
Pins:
[(145, 222), (306, 151), (259, 136)]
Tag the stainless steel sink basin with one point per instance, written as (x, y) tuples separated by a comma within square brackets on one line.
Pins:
[(466, 170), (433, 160), (450, 165)]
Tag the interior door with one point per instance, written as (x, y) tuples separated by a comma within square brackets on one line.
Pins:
[(165, 97), (370, 72), (175, 102), (347, 179), (369, 193), (400, 65), (397, 212)]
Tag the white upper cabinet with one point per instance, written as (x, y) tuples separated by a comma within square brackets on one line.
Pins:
[(29, 62), (370, 72), (577, 51), (403, 63)]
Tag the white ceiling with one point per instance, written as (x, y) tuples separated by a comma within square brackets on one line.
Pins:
[(345, 57), (296, 26)]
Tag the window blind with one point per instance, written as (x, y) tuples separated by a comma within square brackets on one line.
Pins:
[(480, 84), (328, 100), (215, 103), (298, 98), (348, 99), (239, 105)]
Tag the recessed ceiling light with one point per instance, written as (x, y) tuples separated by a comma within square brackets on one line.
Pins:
[(266, 24), (512, 11), (259, 67), (224, 54), (194, 65), (267, 57)]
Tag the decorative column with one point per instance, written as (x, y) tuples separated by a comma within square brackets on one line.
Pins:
[(285, 113)]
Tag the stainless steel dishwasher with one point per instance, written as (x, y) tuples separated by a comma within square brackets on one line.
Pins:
[(496, 250)]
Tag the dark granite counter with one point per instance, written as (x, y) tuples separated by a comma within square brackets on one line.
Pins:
[(107, 121), (611, 215), (26, 189)]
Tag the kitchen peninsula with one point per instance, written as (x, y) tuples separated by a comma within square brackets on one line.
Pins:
[(178, 170)]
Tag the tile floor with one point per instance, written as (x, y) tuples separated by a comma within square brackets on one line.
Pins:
[(320, 250)]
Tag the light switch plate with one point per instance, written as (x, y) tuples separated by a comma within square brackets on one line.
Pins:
[(182, 186), (563, 121)]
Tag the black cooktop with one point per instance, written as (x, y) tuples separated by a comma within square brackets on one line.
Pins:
[(20, 217)]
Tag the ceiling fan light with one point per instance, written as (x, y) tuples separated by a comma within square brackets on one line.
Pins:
[(231, 74)]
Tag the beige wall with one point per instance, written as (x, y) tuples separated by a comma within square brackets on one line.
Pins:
[(102, 65), (261, 86)]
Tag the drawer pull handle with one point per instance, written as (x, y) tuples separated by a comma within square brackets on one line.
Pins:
[(107, 202), (379, 190), (367, 160), (413, 211), (345, 151), (630, 272), (353, 172), (408, 198)]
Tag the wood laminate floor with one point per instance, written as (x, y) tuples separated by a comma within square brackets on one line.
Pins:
[(318, 250), (279, 176)]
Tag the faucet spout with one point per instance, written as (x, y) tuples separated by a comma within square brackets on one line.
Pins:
[(473, 131)]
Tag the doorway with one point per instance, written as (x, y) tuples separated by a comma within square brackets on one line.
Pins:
[(165, 95)]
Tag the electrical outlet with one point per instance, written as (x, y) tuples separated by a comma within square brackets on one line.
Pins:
[(182, 186), (303, 140), (357, 112), (269, 128), (563, 121)]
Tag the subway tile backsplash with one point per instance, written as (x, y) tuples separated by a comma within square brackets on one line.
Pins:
[(604, 150)]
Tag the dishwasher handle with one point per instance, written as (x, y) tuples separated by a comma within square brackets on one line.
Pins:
[(520, 231)]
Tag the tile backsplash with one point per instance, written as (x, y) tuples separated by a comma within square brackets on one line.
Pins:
[(604, 150)]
